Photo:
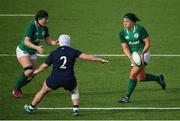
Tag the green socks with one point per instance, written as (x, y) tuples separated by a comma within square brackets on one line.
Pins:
[(133, 82), (131, 87), (28, 79), (22, 81), (151, 77)]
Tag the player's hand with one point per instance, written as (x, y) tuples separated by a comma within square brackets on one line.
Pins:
[(56, 42), (104, 61), (40, 49), (142, 56), (132, 61), (31, 76), (35, 72)]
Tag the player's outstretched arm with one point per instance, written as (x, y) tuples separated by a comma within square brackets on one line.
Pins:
[(93, 58), (50, 41), (40, 69)]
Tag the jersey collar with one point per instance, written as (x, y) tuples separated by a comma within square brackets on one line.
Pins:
[(134, 29), (37, 25)]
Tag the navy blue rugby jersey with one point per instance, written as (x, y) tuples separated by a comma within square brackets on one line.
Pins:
[(63, 60)]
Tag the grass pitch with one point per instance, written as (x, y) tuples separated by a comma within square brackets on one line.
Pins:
[(94, 26)]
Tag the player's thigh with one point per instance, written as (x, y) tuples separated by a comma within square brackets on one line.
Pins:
[(25, 61), (25, 58), (141, 75), (135, 71), (34, 62), (45, 88)]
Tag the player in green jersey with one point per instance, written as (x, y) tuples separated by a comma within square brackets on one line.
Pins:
[(26, 51), (134, 37)]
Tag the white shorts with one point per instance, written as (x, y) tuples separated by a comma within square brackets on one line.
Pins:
[(21, 53), (146, 58)]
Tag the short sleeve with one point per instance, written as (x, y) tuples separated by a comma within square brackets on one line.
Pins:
[(144, 33), (122, 38), (29, 31), (48, 61), (77, 53), (46, 32)]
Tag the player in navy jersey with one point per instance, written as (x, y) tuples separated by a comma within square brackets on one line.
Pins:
[(62, 75)]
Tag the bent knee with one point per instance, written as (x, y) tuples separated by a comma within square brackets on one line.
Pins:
[(141, 77), (132, 75), (45, 88), (28, 70), (75, 94)]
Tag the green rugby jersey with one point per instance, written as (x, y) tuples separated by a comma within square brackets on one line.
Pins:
[(36, 35), (134, 37)]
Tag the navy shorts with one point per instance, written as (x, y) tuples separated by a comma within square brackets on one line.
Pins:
[(67, 83)]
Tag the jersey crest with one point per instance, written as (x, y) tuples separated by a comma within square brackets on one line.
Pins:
[(136, 35), (43, 33)]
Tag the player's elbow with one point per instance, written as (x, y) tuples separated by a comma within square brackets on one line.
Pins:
[(26, 41), (83, 56), (87, 57), (44, 65), (125, 50), (148, 45)]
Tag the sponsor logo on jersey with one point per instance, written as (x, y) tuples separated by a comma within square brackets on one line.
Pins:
[(134, 43)]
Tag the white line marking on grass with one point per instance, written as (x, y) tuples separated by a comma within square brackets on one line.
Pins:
[(113, 108), (121, 55), (7, 55), (102, 55), (16, 15)]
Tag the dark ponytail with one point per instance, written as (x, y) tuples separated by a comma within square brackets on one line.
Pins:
[(132, 17)]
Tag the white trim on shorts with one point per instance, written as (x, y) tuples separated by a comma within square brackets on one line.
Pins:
[(20, 53)]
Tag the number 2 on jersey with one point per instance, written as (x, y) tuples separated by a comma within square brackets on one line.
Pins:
[(64, 58)]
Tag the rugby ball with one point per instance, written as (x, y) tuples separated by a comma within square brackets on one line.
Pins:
[(136, 57)]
